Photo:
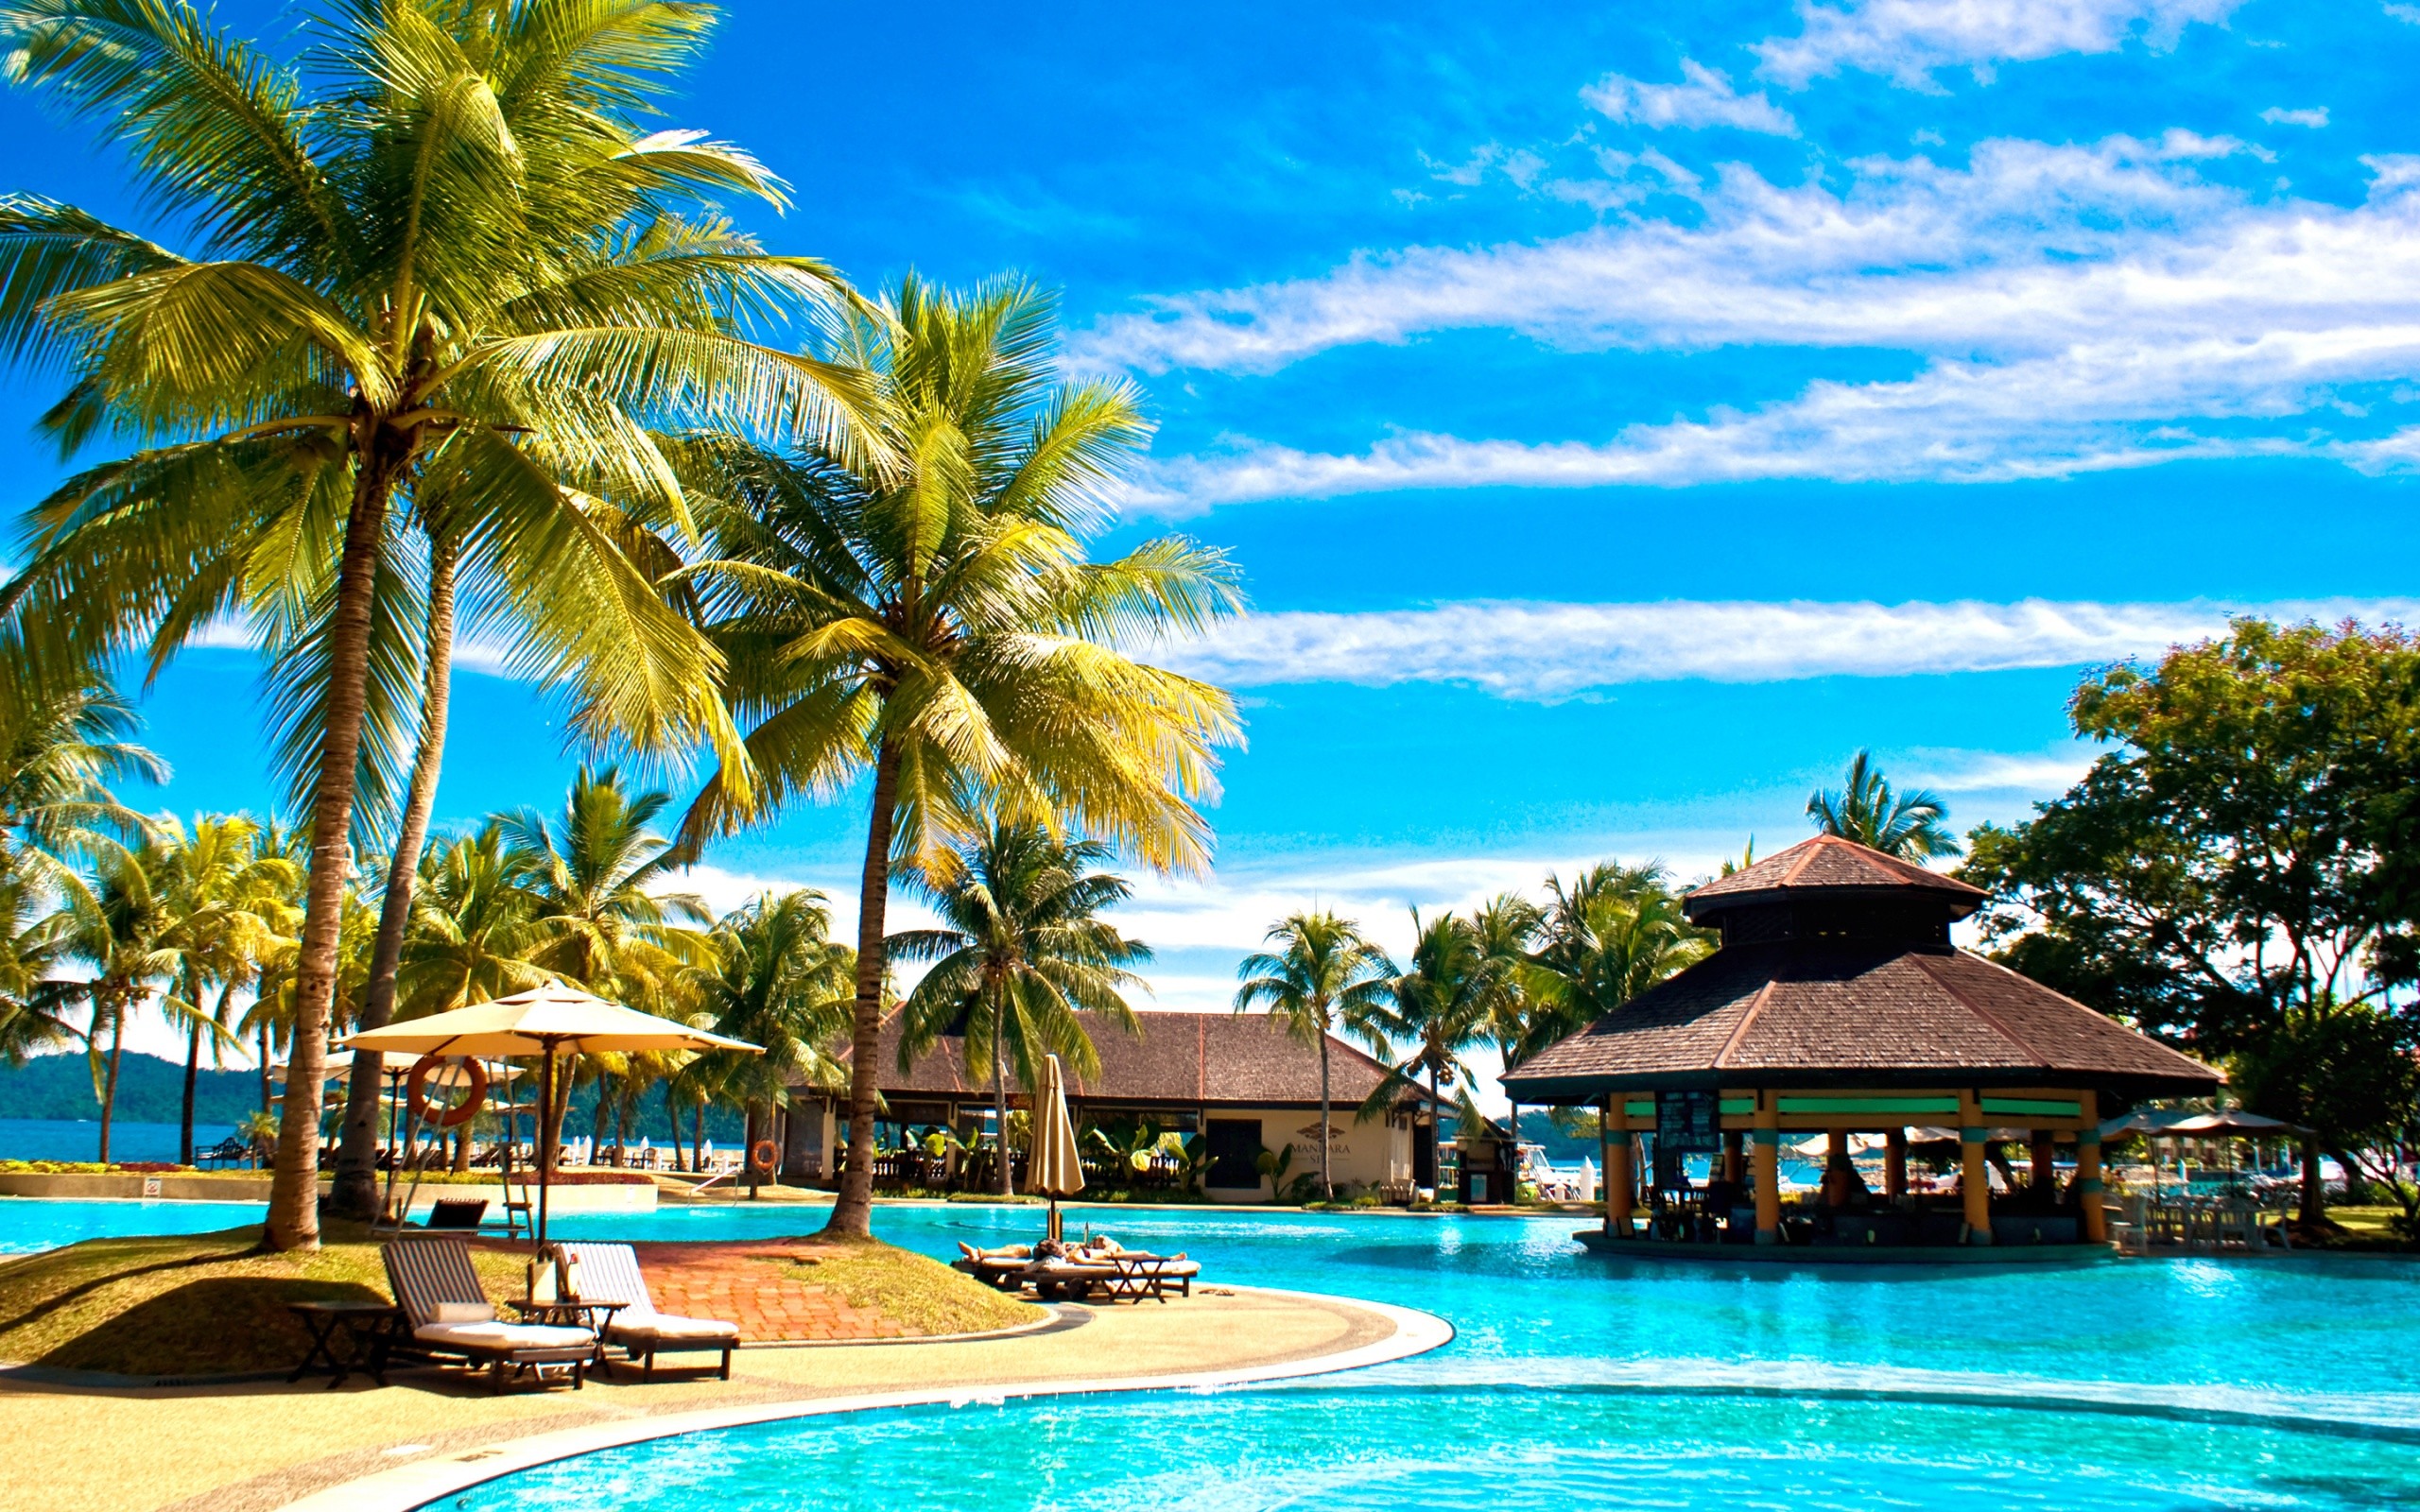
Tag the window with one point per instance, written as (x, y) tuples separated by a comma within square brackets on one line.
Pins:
[(1234, 1145)]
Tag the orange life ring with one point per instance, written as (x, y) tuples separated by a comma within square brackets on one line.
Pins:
[(439, 1114), (766, 1155)]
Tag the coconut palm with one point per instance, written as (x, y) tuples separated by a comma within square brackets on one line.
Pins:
[(1609, 935), (36, 945), (1436, 1012), (436, 258), (472, 928), (228, 910), (60, 747), (939, 626), (1524, 1012), (1912, 826), (1322, 978), (1021, 952), (121, 934), (596, 920), (778, 980)]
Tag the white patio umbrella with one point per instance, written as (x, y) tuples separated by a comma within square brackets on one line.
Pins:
[(1056, 1171), (545, 1022)]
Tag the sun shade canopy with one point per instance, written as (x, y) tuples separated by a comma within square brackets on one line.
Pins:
[(553, 1018)]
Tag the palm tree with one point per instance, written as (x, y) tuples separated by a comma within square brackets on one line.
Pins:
[(226, 912), (60, 747), (939, 625), (1523, 1014), (595, 919), (37, 942), (436, 258), (1437, 1009), (472, 928), (1912, 826), (1324, 977), (1021, 952), (1609, 935), (121, 934), (779, 981)]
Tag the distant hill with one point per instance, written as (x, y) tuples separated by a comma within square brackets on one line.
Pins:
[(149, 1090)]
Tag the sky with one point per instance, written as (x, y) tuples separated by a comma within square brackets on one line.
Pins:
[(1622, 415)]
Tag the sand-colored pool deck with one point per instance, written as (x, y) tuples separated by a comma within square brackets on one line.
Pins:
[(260, 1446)]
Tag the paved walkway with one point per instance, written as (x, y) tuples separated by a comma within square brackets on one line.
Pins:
[(748, 1284), (257, 1447)]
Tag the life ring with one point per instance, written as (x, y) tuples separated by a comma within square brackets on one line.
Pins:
[(766, 1155), (443, 1115)]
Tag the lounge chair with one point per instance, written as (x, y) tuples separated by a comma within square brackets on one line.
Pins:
[(448, 1316), (457, 1213), (1003, 1268), (610, 1273)]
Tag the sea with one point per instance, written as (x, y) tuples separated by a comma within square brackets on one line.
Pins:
[(80, 1139)]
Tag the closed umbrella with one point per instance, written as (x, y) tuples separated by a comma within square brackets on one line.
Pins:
[(545, 1022), (1056, 1171)]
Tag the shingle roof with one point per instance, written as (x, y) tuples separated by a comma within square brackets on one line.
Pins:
[(1190, 1059), (1829, 866), (1804, 1014)]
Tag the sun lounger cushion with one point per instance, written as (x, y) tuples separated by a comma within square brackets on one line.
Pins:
[(669, 1326), (495, 1336), (463, 1313), (610, 1273)]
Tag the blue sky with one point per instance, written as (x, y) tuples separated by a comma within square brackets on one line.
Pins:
[(1622, 414)]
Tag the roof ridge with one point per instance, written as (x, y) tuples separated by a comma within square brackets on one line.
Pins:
[(1813, 848), (1979, 1011), (2085, 1008), (1756, 1005)]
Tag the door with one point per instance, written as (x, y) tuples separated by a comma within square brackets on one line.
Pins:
[(1234, 1145), (1423, 1154)]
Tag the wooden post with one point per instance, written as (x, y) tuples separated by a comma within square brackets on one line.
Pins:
[(1617, 1177), (1836, 1160), (1767, 1136), (1735, 1157), (1974, 1180), (2046, 1164), (1895, 1164), (2095, 1213)]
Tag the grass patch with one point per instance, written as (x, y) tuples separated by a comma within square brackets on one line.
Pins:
[(190, 1304), (920, 1294)]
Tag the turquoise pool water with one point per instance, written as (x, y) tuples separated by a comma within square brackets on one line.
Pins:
[(2177, 1384)]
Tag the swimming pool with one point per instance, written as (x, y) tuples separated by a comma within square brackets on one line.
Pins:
[(1573, 1380)]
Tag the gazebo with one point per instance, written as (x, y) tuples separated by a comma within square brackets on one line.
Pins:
[(1835, 1004)]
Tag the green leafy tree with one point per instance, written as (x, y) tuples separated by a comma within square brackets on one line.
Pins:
[(2240, 872), (1912, 826), (227, 909), (438, 258), (596, 919), (61, 749), (1021, 952), (777, 980), (1434, 1013), (1322, 979), (936, 623), (121, 934), (37, 942)]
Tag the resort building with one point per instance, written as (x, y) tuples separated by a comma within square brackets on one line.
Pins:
[(1238, 1079), (1837, 1006)]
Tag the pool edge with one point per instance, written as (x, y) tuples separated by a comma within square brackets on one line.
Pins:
[(405, 1488)]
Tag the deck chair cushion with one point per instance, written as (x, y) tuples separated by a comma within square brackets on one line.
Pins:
[(610, 1273), (495, 1336), (666, 1326), (463, 1313)]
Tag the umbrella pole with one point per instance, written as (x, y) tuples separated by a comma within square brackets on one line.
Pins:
[(545, 1155)]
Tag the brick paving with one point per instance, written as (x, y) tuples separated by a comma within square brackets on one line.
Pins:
[(746, 1284)]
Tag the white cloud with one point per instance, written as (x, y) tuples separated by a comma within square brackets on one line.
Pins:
[(2403, 13), (1706, 98), (1907, 39), (1546, 651), (2278, 116), (2080, 308), (1985, 771)]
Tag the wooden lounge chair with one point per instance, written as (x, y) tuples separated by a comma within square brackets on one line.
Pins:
[(457, 1213), (610, 1273), (447, 1315)]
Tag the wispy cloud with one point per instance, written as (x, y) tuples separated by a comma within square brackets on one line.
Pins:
[(1704, 98), (2279, 115), (1549, 651), (1907, 39), (1987, 771), (2080, 308)]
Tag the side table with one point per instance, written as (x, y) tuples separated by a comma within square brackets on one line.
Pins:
[(369, 1327)]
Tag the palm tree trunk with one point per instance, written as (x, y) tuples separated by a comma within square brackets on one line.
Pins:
[(1000, 1100), (357, 1185), (698, 1139), (672, 1124), (2314, 1206), (108, 1086), (853, 1209), (193, 1073), (1327, 1187), (294, 1187), (265, 1097), (749, 1137)]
